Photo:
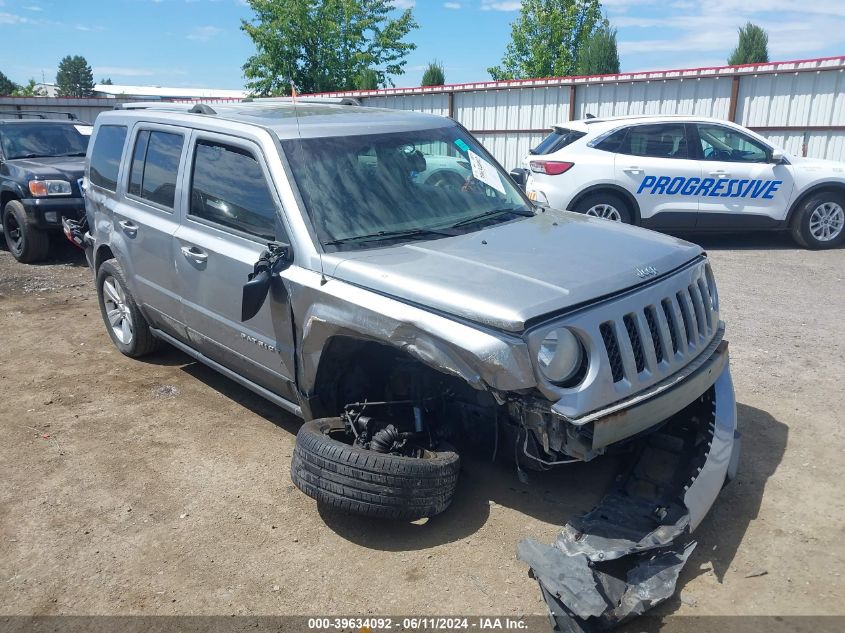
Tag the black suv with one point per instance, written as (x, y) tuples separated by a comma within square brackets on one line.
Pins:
[(42, 162)]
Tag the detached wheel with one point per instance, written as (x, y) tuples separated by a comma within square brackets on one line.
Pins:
[(820, 222), (365, 482), (127, 327), (609, 206), (26, 243)]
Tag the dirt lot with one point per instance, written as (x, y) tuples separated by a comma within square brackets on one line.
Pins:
[(159, 487)]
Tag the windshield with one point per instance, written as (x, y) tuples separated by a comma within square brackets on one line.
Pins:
[(363, 191), (36, 140)]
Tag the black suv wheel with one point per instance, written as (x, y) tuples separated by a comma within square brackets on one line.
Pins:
[(26, 243)]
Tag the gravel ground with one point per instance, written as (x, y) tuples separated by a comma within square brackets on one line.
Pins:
[(159, 487)]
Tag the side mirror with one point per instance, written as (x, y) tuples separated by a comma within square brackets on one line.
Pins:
[(520, 176), (276, 258), (777, 156), (255, 292)]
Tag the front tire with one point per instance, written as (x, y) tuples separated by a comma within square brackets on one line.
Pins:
[(127, 327), (361, 481), (820, 221), (26, 243), (609, 206)]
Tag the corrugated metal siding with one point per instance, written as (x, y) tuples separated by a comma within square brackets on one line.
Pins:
[(83, 109), (512, 109), (510, 149), (792, 99), (701, 97), (430, 104)]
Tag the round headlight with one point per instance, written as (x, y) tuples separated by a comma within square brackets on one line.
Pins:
[(560, 355)]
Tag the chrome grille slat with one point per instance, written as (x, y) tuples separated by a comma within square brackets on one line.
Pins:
[(688, 315), (708, 303), (648, 343), (698, 305)]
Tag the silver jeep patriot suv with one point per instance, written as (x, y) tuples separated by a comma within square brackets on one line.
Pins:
[(378, 274)]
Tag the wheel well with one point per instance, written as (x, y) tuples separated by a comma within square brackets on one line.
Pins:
[(614, 189), (817, 189), (5, 197), (352, 370), (103, 254)]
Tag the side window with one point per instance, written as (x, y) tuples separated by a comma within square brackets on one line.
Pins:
[(665, 140), (228, 188), (155, 163), (722, 143), (105, 156), (612, 141)]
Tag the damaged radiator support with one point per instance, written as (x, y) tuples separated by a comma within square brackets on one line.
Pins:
[(625, 555)]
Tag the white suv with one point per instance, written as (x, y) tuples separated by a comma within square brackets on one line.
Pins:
[(687, 173)]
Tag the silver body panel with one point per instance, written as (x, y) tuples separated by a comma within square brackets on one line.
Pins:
[(473, 306)]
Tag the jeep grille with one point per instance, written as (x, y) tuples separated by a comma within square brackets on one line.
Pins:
[(682, 321)]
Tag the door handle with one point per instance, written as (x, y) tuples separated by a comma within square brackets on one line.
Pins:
[(633, 169), (128, 227), (192, 252), (720, 174)]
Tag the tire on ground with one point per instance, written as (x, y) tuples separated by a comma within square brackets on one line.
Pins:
[(34, 243), (143, 342), (606, 198), (361, 481), (800, 226)]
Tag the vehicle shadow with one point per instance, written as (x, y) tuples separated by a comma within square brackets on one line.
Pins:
[(742, 241), (720, 534)]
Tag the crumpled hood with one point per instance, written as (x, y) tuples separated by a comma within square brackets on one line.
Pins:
[(508, 274)]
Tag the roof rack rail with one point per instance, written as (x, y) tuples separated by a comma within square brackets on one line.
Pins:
[(166, 106), (348, 101), (40, 114)]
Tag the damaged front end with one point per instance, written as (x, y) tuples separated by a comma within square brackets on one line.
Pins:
[(625, 555)]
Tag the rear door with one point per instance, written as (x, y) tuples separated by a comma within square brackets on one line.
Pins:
[(741, 188), (653, 162), (231, 213), (146, 218)]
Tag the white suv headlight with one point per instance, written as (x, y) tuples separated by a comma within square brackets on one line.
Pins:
[(560, 355), (42, 188)]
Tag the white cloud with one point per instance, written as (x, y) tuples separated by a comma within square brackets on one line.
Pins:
[(492, 5), (33, 7), (11, 18), (204, 33), (404, 4), (452, 5)]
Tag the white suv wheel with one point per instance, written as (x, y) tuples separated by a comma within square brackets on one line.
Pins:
[(827, 221), (606, 211)]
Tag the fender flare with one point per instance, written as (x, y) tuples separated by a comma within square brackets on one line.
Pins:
[(834, 185), (607, 186)]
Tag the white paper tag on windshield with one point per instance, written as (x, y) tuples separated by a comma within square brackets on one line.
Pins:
[(85, 130), (485, 172)]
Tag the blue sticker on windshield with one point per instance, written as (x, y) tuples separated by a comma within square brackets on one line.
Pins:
[(461, 145)]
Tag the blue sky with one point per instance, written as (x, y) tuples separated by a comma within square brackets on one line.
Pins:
[(198, 43)]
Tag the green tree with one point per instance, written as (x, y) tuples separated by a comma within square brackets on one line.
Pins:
[(106, 82), (753, 46), (547, 37), (323, 45), (599, 55), (7, 86), (31, 89), (75, 77), (434, 75), (367, 79)]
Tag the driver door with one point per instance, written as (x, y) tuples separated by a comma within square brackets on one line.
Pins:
[(745, 190), (231, 213)]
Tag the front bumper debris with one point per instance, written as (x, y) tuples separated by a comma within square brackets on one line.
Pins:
[(624, 556)]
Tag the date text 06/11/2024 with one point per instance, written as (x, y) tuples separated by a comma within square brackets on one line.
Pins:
[(427, 623)]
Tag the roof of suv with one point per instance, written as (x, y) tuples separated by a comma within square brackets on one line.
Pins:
[(291, 120), (603, 124)]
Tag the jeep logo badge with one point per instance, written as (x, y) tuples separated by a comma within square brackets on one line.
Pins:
[(645, 272)]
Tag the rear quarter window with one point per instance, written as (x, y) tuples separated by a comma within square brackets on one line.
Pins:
[(105, 156), (558, 139)]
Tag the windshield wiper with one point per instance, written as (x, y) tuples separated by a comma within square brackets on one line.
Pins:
[(387, 235), (488, 214), (71, 154)]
